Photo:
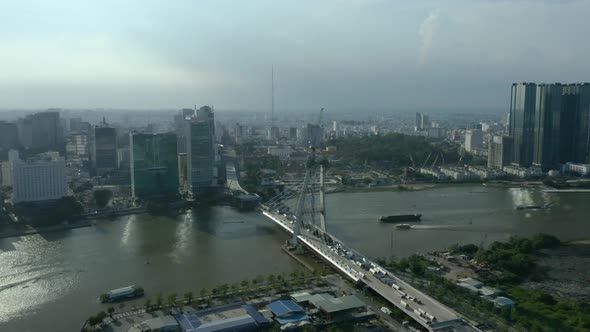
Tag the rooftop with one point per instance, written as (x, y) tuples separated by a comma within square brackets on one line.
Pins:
[(283, 308), (331, 305)]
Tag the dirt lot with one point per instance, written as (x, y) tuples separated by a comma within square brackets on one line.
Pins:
[(564, 271)]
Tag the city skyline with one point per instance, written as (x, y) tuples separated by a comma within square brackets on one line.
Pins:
[(343, 55)]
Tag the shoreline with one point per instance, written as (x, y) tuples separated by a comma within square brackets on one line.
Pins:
[(47, 229)]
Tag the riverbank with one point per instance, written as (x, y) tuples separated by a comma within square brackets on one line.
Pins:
[(39, 230)]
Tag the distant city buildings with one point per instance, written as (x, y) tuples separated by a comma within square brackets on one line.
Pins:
[(550, 123), (499, 152), (77, 147), (38, 179), (473, 140), (46, 130), (8, 135), (422, 122), (105, 145), (154, 165)]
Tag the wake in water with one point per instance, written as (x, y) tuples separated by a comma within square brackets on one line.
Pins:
[(464, 228)]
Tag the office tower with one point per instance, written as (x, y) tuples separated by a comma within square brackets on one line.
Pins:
[(79, 126), (575, 126), (473, 140), (105, 146), (548, 108), (8, 135), (47, 131), (418, 122), (499, 152), (182, 172), (273, 133), (522, 122), (77, 147), (179, 127), (39, 179), (292, 133), (200, 134), (154, 165), (25, 132), (425, 121)]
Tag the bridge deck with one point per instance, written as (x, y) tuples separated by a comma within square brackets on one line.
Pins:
[(406, 293)]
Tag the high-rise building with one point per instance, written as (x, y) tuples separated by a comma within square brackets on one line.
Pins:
[(313, 135), (40, 178), (292, 133), (499, 152), (550, 123), (179, 126), (473, 140), (548, 109), (47, 130), (25, 132), (77, 147), (8, 135), (154, 165), (522, 122), (105, 146), (200, 146), (575, 124), (182, 172), (422, 121)]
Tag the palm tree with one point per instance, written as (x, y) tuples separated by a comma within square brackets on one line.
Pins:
[(148, 304), (245, 283), (172, 300), (188, 296), (111, 311), (203, 292), (270, 279), (159, 300)]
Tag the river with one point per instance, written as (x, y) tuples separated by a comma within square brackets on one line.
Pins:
[(53, 280)]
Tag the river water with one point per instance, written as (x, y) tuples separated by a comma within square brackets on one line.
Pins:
[(52, 281)]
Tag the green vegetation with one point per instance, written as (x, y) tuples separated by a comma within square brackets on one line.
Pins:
[(394, 150), (102, 197), (513, 258), (97, 319), (49, 214)]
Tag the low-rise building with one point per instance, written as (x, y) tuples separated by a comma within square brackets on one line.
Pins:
[(459, 174), (523, 172), (581, 169), (40, 178)]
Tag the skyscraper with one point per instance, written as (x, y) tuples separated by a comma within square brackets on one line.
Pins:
[(575, 126), (522, 122), (548, 108), (200, 146), (154, 165), (105, 146), (499, 152), (46, 129), (179, 126), (8, 135)]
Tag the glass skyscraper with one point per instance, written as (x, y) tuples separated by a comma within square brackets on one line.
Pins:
[(550, 123), (200, 147), (154, 165), (522, 122)]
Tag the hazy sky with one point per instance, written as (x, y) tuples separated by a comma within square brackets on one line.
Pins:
[(339, 54)]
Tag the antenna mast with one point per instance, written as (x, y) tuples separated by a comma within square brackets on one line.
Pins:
[(272, 98)]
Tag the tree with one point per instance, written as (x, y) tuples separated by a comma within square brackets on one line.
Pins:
[(188, 296), (111, 311), (102, 197), (159, 300), (203, 292), (148, 304), (245, 283), (172, 299), (270, 279)]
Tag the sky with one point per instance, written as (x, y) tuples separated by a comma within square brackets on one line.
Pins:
[(349, 55)]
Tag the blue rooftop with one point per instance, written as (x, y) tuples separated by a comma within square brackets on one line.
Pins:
[(283, 308)]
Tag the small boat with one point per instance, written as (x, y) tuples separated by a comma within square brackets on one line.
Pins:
[(533, 207), (401, 217), (403, 226)]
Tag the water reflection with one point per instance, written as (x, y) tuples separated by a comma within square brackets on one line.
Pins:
[(183, 237)]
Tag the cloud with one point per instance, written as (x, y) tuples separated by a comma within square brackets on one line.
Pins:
[(426, 33)]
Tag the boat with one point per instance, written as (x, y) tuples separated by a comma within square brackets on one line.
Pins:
[(403, 226), (533, 207), (121, 294), (401, 217)]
